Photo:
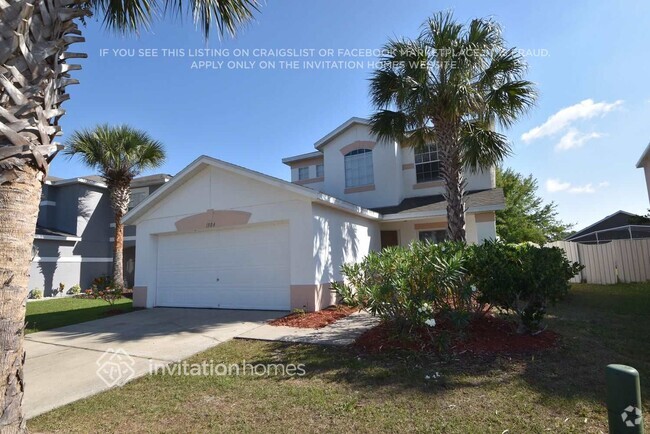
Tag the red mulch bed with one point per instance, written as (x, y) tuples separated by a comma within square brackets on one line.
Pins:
[(314, 320), (487, 335)]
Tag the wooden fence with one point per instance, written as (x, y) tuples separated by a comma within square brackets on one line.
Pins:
[(612, 262)]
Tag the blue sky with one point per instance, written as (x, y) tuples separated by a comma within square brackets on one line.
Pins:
[(581, 141)]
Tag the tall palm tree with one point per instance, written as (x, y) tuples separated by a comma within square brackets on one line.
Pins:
[(34, 72), (119, 154), (449, 87)]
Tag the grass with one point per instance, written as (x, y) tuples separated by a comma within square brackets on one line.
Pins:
[(49, 314), (560, 390)]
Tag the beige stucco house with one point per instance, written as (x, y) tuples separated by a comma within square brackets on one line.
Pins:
[(223, 236)]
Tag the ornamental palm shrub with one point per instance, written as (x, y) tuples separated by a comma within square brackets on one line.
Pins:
[(523, 279), (410, 285)]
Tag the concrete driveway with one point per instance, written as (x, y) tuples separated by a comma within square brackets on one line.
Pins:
[(62, 364)]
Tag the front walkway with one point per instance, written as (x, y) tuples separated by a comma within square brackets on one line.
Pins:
[(342, 332), (63, 364)]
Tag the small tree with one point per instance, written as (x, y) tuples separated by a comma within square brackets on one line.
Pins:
[(120, 154), (526, 217), (449, 87)]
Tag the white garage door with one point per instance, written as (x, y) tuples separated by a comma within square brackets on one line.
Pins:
[(245, 268)]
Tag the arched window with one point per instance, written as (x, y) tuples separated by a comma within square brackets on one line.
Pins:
[(358, 168)]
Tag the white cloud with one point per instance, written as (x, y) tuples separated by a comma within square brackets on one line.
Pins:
[(575, 139), (554, 185), (563, 119), (580, 189)]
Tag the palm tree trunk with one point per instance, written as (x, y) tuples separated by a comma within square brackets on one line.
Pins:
[(120, 190), (19, 201), (35, 35), (118, 252), (452, 173)]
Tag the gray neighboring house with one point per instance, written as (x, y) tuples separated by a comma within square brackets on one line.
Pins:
[(621, 225), (75, 232)]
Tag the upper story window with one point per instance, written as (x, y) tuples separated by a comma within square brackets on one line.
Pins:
[(303, 173), (137, 195), (358, 168), (427, 164), (320, 171)]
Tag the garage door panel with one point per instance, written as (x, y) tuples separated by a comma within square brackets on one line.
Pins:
[(246, 268)]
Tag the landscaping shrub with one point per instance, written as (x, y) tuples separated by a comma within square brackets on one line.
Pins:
[(521, 278), (104, 288), (75, 290), (36, 293), (410, 285)]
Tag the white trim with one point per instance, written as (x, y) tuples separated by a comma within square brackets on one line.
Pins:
[(47, 203), (475, 209), (129, 238), (56, 238), (70, 259), (78, 181), (646, 153), (308, 156), (132, 216), (338, 130)]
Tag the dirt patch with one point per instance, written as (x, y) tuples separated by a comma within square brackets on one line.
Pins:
[(487, 335), (314, 320)]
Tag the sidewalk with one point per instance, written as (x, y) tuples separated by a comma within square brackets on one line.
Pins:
[(342, 332)]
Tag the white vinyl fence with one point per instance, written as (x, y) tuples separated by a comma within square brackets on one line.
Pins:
[(612, 262)]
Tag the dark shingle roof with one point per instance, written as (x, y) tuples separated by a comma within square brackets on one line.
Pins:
[(437, 202), (40, 230)]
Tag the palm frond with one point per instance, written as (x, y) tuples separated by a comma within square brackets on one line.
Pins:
[(481, 146), (129, 16)]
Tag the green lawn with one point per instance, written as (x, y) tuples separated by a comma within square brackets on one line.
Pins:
[(560, 390), (49, 314)]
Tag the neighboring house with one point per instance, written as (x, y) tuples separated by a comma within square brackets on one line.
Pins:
[(222, 236), (644, 162), (73, 243), (621, 225)]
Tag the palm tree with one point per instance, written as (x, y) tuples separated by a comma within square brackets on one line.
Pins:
[(34, 72), (119, 154), (449, 87)]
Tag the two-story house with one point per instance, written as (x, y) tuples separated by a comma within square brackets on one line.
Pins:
[(75, 232), (223, 236)]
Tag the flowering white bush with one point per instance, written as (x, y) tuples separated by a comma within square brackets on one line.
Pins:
[(430, 322)]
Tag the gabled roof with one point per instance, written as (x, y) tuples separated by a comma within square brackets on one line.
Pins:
[(619, 218), (338, 130), (204, 161), (475, 201), (308, 156), (646, 154)]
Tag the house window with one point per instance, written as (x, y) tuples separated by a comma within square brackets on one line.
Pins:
[(320, 171), (433, 236), (358, 168), (427, 164), (303, 173), (138, 195)]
